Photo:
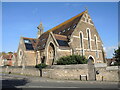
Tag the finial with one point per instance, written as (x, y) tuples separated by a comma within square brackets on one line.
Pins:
[(40, 25), (40, 22), (86, 8)]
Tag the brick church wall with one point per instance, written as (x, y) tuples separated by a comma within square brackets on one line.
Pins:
[(30, 59), (75, 43)]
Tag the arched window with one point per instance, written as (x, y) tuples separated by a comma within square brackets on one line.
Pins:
[(95, 42), (96, 47), (81, 44), (81, 41), (20, 53), (88, 35)]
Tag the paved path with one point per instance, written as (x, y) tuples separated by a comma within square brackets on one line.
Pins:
[(19, 81)]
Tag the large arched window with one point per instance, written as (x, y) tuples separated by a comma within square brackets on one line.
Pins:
[(81, 41), (88, 36), (96, 47), (81, 44), (95, 37)]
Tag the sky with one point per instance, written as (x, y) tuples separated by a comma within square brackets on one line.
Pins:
[(22, 18)]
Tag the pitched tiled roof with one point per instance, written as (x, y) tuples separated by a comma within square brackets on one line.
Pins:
[(60, 37), (33, 42), (7, 56), (64, 29), (71, 20), (110, 59), (41, 42)]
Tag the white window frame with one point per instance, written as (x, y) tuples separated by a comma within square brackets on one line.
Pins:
[(81, 48), (89, 37)]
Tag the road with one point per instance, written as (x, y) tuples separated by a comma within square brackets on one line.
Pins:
[(19, 81)]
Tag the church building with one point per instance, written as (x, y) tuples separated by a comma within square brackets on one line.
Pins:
[(78, 35)]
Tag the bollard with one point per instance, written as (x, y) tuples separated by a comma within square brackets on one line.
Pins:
[(102, 78)]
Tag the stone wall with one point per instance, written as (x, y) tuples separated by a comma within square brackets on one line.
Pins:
[(73, 72), (30, 58), (65, 71), (106, 73), (63, 53), (110, 73), (23, 71)]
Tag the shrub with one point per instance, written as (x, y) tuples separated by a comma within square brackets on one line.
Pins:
[(42, 65), (117, 56), (72, 59)]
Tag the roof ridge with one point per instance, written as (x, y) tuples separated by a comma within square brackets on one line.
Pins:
[(61, 24), (28, 38), (60, 35)]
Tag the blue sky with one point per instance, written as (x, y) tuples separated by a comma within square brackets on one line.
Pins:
[(21, 19)]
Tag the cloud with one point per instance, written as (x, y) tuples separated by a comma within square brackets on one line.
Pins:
[(109, 51)]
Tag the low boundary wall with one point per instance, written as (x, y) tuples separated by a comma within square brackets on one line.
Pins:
[(19, 70), (70, 72), (66, 72)]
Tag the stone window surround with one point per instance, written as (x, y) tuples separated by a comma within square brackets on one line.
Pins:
[(89, 50), (83, 44), (96, 44), (20, 53), (85, 38), (89, 37), (82, 49), (81, 40)]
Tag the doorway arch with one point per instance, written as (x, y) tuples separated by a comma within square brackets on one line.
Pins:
[(51, 54), (91, 58), (91, 68)]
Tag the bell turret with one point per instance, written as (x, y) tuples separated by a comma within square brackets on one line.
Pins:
[(40, 30)]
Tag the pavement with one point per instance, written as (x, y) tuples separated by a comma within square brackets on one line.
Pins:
[(21, 81)]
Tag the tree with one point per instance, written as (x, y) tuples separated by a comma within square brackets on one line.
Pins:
[(10, 52), (2, 53), (117, 55)]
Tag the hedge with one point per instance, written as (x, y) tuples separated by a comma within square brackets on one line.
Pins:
[(72, 59), (42, 65)]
